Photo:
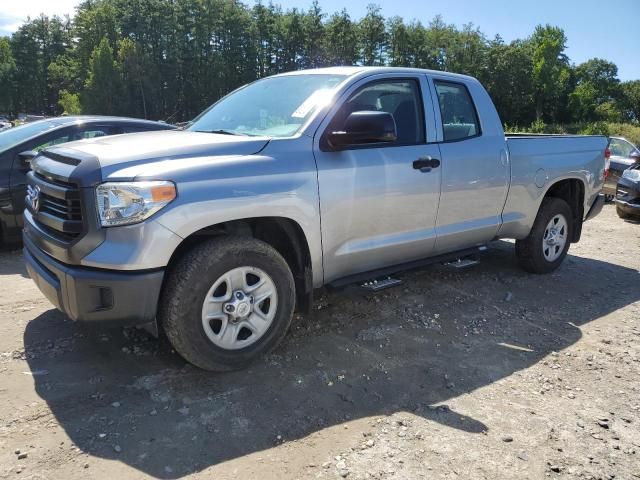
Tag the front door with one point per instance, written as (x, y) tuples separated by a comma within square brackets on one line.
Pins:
[(377, 207)]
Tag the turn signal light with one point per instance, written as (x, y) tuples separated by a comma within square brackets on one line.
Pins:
[(164, 193)]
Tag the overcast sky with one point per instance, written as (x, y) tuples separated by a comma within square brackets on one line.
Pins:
[(595, 28)]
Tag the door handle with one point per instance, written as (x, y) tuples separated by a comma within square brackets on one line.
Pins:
[(425, 164)]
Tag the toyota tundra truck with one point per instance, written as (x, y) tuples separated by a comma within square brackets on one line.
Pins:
[(217, 233)]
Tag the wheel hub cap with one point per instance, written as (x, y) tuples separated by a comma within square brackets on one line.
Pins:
[(555, 238), (239, 308)]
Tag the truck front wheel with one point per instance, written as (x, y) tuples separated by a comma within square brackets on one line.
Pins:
[(544, 249), (226, 302)]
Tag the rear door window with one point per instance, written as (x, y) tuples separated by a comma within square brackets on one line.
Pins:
[(458, 113)]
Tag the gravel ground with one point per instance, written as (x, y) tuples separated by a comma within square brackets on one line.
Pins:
[(483, 373)]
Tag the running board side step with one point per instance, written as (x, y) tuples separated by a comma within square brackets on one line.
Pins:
[(404, 267), (463, 262)]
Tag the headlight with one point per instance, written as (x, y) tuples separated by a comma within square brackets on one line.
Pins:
[(632, 174), (124, 203)]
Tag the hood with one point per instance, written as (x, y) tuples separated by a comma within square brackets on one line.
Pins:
[(164, 144)]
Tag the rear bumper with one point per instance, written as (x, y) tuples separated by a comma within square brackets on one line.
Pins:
[(596, 207), (95, 295)]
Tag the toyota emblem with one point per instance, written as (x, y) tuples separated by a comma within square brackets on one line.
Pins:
[(33, 196)]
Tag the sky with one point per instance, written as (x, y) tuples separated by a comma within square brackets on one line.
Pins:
[(594, 28)]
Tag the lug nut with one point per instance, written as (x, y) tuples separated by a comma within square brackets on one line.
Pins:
[(239, 295), (229, 308)]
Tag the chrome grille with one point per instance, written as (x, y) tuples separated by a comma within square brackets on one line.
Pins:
[(64, 209), (56, 207)]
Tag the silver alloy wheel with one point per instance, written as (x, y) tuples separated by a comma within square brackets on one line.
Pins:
[(555, 238), (239, 308)]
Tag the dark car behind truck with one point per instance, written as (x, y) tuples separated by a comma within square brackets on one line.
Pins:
[(20, 144)]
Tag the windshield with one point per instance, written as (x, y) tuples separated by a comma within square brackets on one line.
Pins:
[(14, 136), (273, 107)]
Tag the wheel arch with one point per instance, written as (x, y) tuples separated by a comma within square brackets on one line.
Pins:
[(282, 233), (572, 191)]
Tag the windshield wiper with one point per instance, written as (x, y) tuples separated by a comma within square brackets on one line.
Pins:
[(221, 131)]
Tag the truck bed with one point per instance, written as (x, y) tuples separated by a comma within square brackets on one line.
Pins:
[(539, 160)]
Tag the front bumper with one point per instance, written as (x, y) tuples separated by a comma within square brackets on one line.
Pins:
[(95, 295), (628, 208), (628, 197)]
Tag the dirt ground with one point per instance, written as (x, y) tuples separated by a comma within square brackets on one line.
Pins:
[(483, 373)]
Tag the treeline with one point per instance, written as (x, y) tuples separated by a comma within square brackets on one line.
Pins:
[(169, 59)]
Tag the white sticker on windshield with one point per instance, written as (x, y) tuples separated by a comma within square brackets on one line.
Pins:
[(315, 99)]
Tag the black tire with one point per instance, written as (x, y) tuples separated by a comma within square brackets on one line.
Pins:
[(180, 309), (529, 251), (622, 214)]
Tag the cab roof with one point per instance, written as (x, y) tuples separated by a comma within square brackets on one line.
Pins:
[(356, 70)]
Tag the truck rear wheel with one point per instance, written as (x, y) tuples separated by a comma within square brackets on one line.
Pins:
[(544, 249), (226, 302)]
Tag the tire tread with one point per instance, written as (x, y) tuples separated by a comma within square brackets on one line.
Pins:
[(176, 298), (529, 250)]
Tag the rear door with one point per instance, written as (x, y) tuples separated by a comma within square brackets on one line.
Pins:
[(475, 168), (376, 208)]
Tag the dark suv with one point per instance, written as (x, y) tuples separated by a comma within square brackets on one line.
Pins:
[(20, 144), (628, 193)]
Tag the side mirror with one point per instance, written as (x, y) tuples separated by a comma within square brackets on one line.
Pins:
[(25, 158), (365, 127), (635, 156)]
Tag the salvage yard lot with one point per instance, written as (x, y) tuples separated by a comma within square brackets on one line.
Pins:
[(488, 372)]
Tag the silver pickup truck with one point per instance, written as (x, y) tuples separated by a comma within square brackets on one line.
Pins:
[(292, 182)]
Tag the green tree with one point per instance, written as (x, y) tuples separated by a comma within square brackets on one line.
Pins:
[(373, 36), (597, 88), (291, 40), (132, 64), (7, 73), (438, 37), (314, 30), (94, 21), (630, 100), (341, 40), (64, 74), (399, 46), (265, 28), (508, 78), (102, 92), (69, 102), (467, 51), (551, 72), (170, 59)]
